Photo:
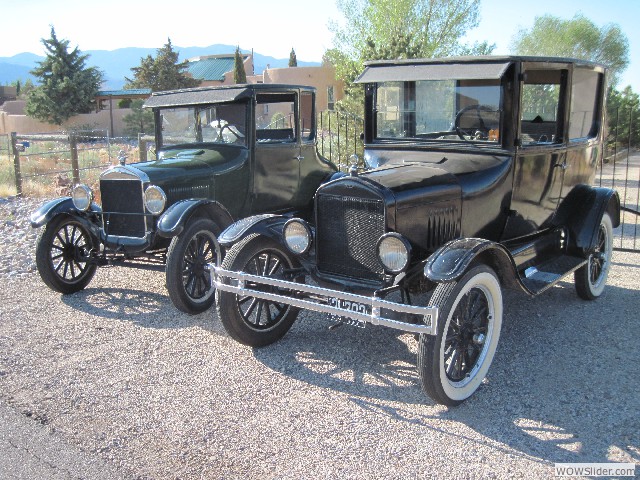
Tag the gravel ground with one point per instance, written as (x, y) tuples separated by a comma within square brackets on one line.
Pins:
[(118, 373)]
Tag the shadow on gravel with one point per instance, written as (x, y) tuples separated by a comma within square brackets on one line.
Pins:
[(143, 308), (563, 386)]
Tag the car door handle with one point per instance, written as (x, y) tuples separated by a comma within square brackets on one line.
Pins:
[(299, 157), (563, 166)]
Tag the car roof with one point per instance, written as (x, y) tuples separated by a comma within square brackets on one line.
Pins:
[(216, 94), (449, 68)]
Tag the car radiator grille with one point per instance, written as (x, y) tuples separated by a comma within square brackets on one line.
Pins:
[(123, 208), (348, 229)]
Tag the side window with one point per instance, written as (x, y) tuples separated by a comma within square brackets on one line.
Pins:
[(275, 118), (540, 107), (307, 116), (583, 117)]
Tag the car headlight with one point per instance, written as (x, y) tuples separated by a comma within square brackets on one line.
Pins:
[(394, 252), (82, 197), (297, 235), (154, 199)]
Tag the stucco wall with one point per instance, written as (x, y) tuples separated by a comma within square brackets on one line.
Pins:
[(319, 77), (23, 124)]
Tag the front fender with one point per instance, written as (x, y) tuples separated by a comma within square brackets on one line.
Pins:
[(52, 208), (268, 225), (452, 260), (173, 220)]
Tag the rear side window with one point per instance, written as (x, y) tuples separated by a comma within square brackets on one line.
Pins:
[(583, 119)]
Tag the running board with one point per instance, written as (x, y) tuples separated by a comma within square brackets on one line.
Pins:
[(539, 278)]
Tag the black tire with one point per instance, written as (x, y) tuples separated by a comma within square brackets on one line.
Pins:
[(248, 320), (452, 366), (63, 255), (188, 280), (591, 278)]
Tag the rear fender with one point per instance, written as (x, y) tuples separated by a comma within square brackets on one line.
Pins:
[(581, 212), (172, 222)]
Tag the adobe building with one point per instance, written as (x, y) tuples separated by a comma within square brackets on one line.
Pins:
[(218, 70)]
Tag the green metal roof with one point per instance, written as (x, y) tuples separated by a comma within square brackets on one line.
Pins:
[(124, 93), (211, 68)]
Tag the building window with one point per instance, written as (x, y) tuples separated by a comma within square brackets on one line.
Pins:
[(331, 101)]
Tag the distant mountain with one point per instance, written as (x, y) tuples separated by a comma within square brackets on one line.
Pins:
[(117, 64)]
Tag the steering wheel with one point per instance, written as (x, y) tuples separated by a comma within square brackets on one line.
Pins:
[(222, 137), (481, 131)]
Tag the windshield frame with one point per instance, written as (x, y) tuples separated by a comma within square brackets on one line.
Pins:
[(481, 99), (198, 125)]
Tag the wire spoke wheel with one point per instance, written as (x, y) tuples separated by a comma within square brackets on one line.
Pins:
[(258, 313), (188, 277), (250, 320), (63, 255), (453, 363), (195, 277), (591, 279)]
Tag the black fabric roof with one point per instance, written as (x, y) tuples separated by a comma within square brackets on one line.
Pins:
[(196, 96), (440, 71), (219, 94)]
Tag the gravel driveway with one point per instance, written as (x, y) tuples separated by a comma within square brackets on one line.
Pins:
[(117, 373)]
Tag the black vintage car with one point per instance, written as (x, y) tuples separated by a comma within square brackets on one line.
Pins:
[(480, 178), (222, 153)]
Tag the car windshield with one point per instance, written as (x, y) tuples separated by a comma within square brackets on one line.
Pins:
[(223, 123), (443, 110)]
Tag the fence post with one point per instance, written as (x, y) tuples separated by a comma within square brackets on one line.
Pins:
[(142, 147), (73, 145), (16, 164)]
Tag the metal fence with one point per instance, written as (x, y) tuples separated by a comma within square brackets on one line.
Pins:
[(621, 171), (41, 164), (339, 137)]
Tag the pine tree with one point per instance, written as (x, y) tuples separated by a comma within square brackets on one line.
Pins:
[(140, 120), (163, 72), (67, 87), (239, 75), (293, 61)]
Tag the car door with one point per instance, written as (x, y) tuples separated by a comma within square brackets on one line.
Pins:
[(276, 152), (540, 159)]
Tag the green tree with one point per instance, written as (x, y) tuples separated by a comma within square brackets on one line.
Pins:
[(67, 86), (239, 75), (575, 38), (140, 120), (293, 61), (623, 111), (394, 29), (164, 72), (26, 87), (18, 86)]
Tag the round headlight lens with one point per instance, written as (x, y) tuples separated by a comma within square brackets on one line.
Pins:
[(394, 252), (297, 236), (154, 199), (82, 197)]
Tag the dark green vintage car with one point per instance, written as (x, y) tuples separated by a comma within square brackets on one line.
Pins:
[(223, 153)]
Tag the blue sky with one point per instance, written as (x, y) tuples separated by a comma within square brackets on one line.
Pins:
[(269, 27)]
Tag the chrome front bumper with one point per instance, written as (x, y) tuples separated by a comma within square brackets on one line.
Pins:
[(316, 298)]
